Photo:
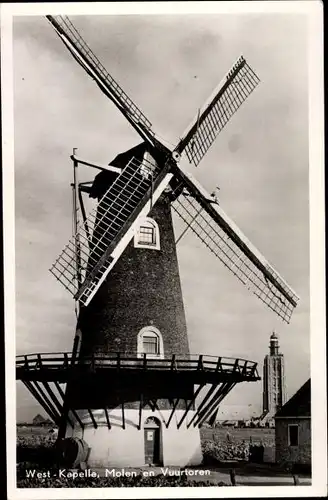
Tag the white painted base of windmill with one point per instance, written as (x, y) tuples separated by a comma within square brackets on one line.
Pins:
[(131, 447)]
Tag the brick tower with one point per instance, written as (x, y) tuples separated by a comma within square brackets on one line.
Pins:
[(274, 388), (138, 310)]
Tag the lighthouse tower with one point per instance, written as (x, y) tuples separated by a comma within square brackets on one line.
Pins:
[(274, 387)]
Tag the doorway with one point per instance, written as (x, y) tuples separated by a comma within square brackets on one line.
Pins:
[(152, 437)]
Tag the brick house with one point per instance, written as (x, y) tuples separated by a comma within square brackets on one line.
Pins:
[(293, 429)]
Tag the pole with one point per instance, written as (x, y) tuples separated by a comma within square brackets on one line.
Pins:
[(75, 227)]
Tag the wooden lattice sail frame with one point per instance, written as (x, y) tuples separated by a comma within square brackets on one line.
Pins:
[(134, 196)]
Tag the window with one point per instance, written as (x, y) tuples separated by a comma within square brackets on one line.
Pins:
[(150, 342), (150, 345), (293, 435), (147, 234)]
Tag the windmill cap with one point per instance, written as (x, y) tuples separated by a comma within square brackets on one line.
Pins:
[(274, 336)]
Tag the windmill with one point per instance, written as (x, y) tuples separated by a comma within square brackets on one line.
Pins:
[(130, 375)]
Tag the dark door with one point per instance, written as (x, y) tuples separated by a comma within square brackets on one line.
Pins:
[(152, 445)]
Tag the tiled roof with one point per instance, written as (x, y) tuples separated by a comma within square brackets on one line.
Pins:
[(298, 405)]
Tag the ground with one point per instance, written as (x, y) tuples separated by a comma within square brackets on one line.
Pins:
[(226, 461)]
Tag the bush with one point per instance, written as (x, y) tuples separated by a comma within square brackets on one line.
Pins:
[(224, 450)]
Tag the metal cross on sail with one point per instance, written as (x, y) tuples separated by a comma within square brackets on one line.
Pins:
[(142, 182)]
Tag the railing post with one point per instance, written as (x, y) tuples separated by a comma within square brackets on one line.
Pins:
[(218, 365), (65, 360), (296, 480), (118, 365), (233, 477), (253, 370), (173, 363), (145, 361), (200, 365)]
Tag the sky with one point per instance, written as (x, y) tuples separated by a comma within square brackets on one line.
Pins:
[(169, 65)]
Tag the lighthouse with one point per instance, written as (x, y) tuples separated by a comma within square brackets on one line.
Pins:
[(274, 386)]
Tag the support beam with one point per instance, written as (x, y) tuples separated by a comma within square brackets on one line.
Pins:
[(53, 396), (212, 406), (212, 420), (47, 400), (200, 363), (123, 416), (74, 350), (67, 409), (107, 418), (236, 366), (92, 418), (60, 390), (62, 394), (64, 416), (149, 403), (172, 412), (154, 401), (244, 372), (218, 365), (208, 405), (65, 360), (41, 402), (254, 370), (76, 415), (202, 404), (190, 405), (39, 362), (98, 166), (140, 411), (83, 212)]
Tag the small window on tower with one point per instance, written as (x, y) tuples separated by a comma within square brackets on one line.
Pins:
[(150, 343), (147, 234)]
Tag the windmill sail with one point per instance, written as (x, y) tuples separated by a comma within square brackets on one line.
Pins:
[(91, 64), (228, 96), (141, 183), (210, 223), (131, 195)]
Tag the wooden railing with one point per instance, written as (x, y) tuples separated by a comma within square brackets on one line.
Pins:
[(176, 362)]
